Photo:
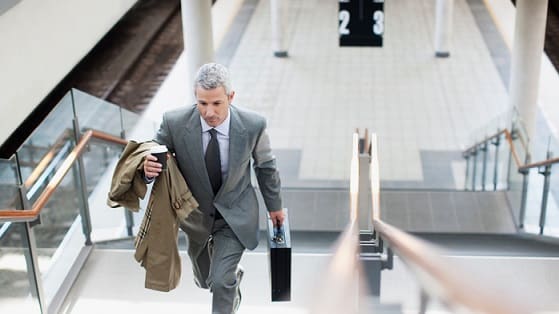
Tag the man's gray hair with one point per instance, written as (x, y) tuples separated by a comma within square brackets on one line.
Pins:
[(213, 75)]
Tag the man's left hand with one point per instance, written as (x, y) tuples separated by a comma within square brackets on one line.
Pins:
[(277, 217)]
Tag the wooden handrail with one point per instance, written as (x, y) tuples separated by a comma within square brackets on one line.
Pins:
[(344, 267), (27, 215), (338, 291), (47, 158), (451, 286), (520, 165), (538, 164), (474, 147), (508, 135), (354, 180), (436, 276)]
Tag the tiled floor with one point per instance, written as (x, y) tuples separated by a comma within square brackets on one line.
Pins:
[(414, 102)]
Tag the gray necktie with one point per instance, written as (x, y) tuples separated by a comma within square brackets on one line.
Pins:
[(213, 161)]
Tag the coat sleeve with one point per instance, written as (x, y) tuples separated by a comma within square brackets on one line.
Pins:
[(266, 171), (164, 135)]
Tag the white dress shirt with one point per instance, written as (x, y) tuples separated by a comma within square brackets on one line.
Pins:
[(222, 139)]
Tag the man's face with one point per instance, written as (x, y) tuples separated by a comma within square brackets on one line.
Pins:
[(213, 104)]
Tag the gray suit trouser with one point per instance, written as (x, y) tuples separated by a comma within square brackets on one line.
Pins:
[(214, 264)]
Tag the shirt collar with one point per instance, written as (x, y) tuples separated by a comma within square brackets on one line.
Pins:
[(223, 128)]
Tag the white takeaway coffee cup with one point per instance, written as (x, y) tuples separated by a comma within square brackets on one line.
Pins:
[(160, 152)]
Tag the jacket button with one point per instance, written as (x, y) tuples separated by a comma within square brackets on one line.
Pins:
[(177, 205)]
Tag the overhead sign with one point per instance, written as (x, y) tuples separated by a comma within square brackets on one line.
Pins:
[(361, 22)]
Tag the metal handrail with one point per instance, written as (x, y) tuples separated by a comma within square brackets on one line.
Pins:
[(437, 278), (33, 213)]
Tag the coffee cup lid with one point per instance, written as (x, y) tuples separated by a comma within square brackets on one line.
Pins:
[(158, 149)]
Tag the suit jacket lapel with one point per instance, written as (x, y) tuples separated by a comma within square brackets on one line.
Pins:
[(237, 147), (193, 145)]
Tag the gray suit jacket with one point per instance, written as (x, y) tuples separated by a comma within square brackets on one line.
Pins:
[(236, 200)]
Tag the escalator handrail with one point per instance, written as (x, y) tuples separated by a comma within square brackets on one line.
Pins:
[(34, 212)]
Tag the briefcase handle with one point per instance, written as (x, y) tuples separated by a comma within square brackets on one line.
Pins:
[(279, 234)]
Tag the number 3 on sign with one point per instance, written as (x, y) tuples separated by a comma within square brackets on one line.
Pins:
[(378, 22), (344, 21)]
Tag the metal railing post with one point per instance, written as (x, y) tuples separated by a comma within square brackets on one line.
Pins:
[(128, 215), (372, 264), (484, 165), (129, 218), (81, 181), (28, 238), (467, 156), (546, 172), (474, 169), (31, 256), (374, 261), (524, 196), (496, 142), (423, 301)]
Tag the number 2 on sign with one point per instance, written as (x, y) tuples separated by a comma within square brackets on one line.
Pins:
[(344, 21), (378, 22)]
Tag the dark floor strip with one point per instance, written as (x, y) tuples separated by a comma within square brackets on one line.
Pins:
[(492, 37), (226, 51)]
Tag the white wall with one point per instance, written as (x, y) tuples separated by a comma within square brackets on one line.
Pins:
[(40, 42)]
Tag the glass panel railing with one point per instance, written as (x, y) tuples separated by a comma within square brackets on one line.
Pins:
[(101, 157), (41, 154), (526, 173), (18, 289), (9, 198), (514, 191), (491, 126), (59, 236), (130, 121), (489, 153), (60, 171), (541, 212), (99, 161), (98, 114)]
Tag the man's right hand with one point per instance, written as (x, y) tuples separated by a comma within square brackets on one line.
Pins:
[(151, 167)]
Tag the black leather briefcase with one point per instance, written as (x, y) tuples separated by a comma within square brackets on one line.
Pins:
[(279, 244)]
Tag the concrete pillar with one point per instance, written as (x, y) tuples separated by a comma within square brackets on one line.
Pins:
[(529, 36), (443, 27), (198, 36), (278, 14)]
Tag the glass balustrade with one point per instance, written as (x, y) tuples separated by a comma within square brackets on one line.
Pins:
[(18, 289), (36, 257), (497, 162)]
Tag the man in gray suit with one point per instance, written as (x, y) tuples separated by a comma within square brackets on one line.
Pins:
[(213, 143)]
